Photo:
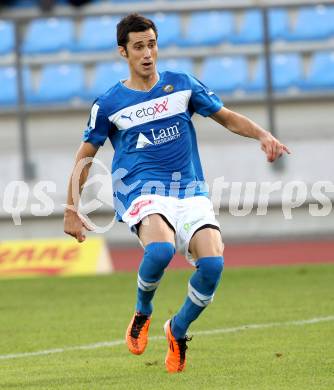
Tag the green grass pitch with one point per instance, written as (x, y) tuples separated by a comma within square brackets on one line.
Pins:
[(44, 314)]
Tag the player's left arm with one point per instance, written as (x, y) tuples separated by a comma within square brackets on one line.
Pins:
[(239, 124)]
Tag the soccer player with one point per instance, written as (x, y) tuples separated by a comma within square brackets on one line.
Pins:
[(158, 183)]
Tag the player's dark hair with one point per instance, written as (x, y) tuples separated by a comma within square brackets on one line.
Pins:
[(133, 23)]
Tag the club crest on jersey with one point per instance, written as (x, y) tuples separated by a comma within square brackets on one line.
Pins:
[(168, 88)]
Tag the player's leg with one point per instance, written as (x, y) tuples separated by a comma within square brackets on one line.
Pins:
[(206, 248), (157, 237), (158, 240)]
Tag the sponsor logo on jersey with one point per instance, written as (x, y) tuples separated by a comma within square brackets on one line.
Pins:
[(159, 136), (157, 108), (152, 110), (123, 116), (143, 141), (139, 205), (168, 88)]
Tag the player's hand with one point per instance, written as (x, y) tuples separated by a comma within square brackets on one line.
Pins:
[(272, 147), (74, 225)]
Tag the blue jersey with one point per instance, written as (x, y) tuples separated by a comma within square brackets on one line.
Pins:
[(153, 137)]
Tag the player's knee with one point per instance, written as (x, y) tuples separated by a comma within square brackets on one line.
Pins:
[(160, 253), (218, 249), (211, 269), (214, 248)]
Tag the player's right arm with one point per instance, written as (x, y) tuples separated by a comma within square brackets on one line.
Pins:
[(239, 124), (73, 224), (94, 136)]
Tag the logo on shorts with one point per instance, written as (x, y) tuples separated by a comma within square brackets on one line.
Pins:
[(168, 88), (138, 206), (187, 226)]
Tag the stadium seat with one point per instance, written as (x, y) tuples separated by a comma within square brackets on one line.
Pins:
[(60, 83), (225, 74), (169, 28), (286, 73), (278, 23), (313, 23), (48, 36), (106, 75), (8, 80), (321, 75), (251, 29), (7, 35), (208, 28), (176, 65), (97, 33)]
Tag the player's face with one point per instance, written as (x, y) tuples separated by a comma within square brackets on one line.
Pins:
[(141, 53)]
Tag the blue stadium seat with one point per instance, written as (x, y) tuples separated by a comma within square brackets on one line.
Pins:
[(60, 83), (169, 28), (208, 28), (321, 75), (97, 33), (225, 74), (48, 36), (8, 89), (251, 29), (106, 75), (7, 35), (286, 73), (313, 23), (176, 65), (278, 23)]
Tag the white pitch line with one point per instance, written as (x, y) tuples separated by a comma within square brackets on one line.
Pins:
[(107, 344)]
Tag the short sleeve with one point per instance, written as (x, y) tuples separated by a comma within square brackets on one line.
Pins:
[(202, 100), (98, 126)]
